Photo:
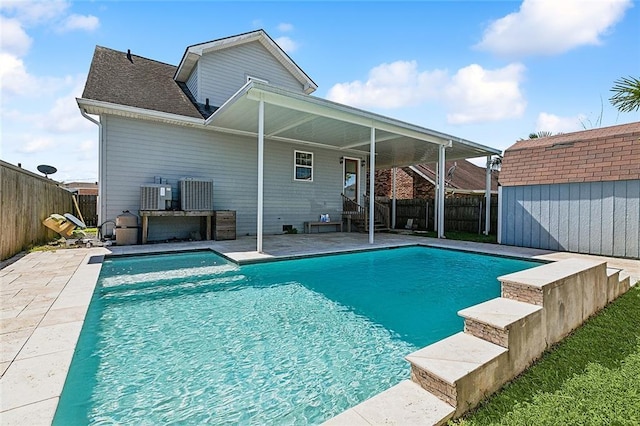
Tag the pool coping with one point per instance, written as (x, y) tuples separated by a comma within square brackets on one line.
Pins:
[(32, 380)]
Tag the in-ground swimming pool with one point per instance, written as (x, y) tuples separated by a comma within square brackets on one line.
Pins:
[(193, 338)]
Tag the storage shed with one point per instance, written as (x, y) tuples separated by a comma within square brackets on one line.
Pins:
[(577, 192)]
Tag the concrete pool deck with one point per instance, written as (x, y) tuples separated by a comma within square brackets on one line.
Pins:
[(45, 296)]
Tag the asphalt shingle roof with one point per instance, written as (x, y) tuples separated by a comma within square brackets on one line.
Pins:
[(466, 175), (137, 82), (597, 155)]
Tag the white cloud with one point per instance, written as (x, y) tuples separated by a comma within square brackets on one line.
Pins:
[(478, 95), (64, 116), (548, 27), (287, 44), (79, 22), (555, 124), (13, 38), (36, 144), (15, 80), (285, 27), (35, 12), (393, 85), (473, 94)]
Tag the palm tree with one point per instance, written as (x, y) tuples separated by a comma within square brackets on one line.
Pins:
[(626, 95), (540, 134)]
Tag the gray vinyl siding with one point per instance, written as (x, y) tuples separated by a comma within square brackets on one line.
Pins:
[(192, 82), (137, 151), (595, 217), (223, 72)]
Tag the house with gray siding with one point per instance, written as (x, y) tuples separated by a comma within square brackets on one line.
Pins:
[(240, 112), (577, 192)]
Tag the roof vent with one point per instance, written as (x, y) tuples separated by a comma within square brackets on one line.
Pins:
[(206, 105), (129, 55)]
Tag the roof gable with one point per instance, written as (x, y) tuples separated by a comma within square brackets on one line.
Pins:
[(193, 53), (604, 154)]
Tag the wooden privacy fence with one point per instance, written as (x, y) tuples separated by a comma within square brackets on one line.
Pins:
[(27, 199), (88, 205), (460, 214)]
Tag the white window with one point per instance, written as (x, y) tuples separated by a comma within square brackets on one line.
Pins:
[(303, 166)]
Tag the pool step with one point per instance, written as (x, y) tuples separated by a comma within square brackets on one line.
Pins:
[(459, 369), (511, 324), (618, 283), (403, 404)]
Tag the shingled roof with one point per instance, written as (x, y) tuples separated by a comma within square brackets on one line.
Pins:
[(465, 175), (137, 82), (604, 154)]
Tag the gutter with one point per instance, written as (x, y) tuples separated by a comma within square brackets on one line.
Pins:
[(112, 108), (101, 159)]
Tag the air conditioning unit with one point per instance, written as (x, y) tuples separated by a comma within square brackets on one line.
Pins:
[(155, 197), (196, 194)]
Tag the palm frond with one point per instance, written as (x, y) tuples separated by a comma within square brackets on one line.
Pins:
[(626, 97)]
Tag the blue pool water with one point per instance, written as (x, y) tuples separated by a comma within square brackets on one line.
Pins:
[(193, 339)]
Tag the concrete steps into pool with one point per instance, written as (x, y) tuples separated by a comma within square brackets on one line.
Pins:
[(501, 338)]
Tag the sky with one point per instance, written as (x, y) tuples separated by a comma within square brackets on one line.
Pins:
[(488, 71)]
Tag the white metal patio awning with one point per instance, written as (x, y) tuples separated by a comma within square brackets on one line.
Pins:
[(271, 113), (304, 119)]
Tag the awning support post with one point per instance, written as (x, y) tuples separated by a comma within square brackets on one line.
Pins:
[(436, 209), (441, 156), (487, 196), (393, 199), (260, 175), (372, 182)]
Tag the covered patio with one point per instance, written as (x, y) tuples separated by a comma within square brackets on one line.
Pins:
[(269, 113)]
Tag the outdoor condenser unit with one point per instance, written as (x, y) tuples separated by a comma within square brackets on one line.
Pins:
[(196, 194), (155, 197)]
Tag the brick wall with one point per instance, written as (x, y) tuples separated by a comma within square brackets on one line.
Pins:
[(409, 185), (404, 184)]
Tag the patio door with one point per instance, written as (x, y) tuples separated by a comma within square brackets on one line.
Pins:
[(351, 182)]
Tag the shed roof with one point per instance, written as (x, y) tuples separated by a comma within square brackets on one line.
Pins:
[(604, 154)]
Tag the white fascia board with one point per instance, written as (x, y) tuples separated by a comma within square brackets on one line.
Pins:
[(425, 177), (186, 66), (100, 107), (308, 85), (229, 102), (336, 111), (266, 41)]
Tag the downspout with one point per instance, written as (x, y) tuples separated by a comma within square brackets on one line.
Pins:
[(102, 214)]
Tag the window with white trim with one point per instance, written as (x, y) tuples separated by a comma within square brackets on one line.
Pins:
[(303, 166)]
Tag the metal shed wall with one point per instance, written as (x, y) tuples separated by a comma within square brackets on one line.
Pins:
[(601, 218)]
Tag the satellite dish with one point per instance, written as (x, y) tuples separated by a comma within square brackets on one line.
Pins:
[(47, 170)]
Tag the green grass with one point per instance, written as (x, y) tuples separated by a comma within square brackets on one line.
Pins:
[(462, 236), (591, 378)]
